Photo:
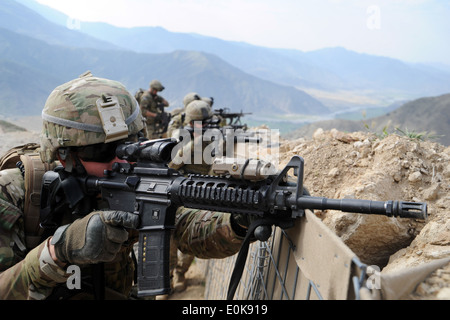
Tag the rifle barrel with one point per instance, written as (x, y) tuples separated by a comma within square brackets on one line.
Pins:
[(402, 209)]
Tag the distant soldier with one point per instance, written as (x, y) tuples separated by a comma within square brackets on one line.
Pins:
[(195, 110), (178, 115), (152, 107)]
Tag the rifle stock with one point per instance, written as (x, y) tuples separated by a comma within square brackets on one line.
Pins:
[(147, 187)]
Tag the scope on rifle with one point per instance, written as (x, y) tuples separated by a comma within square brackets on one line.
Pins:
[(156, 151)]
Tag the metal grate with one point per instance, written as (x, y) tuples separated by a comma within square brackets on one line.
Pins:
[(271, 273)]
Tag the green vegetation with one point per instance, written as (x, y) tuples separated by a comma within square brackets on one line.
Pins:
[(411, 134), (422, 136)]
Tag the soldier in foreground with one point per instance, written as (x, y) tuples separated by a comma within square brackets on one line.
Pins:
[(78, 134)]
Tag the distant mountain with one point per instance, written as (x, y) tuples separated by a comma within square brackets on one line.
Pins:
[(381, 74), (430, 115), (328, 69), (239, 75), (19, 18), (30, 75)]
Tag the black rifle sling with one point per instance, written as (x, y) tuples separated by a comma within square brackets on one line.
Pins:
[(242, 256)]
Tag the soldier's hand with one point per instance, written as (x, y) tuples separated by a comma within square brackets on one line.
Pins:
[(95, 238), (241, 222)]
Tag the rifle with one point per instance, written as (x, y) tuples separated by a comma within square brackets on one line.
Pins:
[(233, 119), (162, 120), (237, 134), (146, 186)]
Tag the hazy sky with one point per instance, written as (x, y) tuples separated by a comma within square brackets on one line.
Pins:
[(411, 30)]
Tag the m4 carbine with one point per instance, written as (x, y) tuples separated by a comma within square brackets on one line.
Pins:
[(146, 186)]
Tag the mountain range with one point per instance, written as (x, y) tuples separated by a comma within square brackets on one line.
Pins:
[(329, 68), (40, 48), (425, 118), (37, 54)]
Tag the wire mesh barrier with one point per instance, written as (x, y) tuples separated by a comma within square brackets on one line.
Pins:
[(305, 262)]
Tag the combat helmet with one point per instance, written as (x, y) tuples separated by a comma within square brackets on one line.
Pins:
[(87, 111), (197, 110), (209, 100), (191, 96), (155, 84)]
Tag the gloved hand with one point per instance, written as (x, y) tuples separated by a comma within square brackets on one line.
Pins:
[(241, 222), (95, 238)]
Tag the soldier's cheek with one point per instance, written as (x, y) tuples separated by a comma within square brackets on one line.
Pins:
[(97, 169)]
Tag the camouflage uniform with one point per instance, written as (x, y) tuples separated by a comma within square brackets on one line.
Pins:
[(150, 102), (32, 274), (194, 111), (177, 119), (178, 115)]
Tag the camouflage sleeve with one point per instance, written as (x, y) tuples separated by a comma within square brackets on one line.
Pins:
[(22, 275), (145, 103), (160, 99), (33, 278), (206, 234), (12, 238)]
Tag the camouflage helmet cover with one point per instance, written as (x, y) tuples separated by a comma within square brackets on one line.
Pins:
[(210, 100), (155, 84), (71, 116), (197, 110), (191, 96)]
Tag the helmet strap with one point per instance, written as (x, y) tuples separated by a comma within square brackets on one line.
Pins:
[(72, 163)]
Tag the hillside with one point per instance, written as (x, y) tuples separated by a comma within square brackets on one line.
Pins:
[(429, 116), (44, 67), (330, 69)]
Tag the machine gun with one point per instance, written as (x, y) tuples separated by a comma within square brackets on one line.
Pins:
[(229, 133), (232, 119), (146, 186)]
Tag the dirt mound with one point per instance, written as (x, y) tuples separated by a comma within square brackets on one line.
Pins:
[(362, 166)]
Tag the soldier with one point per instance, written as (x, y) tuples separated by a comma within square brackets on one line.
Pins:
[(82, 139), (152, 106), (178, 115), (197, 112)]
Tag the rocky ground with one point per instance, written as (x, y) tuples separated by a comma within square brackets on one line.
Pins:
[(364, 166)]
